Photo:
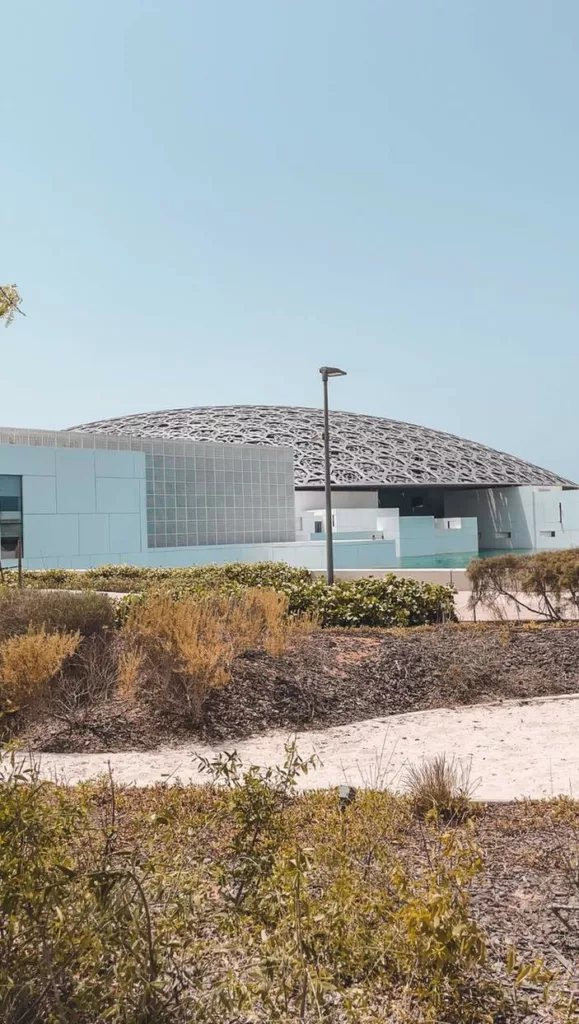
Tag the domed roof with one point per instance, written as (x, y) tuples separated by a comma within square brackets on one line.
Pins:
[(365, 450)]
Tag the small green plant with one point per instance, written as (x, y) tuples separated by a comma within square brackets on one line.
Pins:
[(257, 801)]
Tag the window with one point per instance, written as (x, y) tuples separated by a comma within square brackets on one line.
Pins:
[(547, 533), (503, 535), (10, 516), (318, 526)]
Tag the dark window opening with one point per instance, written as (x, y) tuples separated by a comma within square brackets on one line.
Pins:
[(318, 526), (9, 503), (9, 545), (10, 516)]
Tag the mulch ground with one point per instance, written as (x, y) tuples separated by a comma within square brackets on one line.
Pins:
[(335, 677), (528, 896)]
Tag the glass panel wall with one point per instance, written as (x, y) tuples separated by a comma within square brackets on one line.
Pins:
[(10, 516)]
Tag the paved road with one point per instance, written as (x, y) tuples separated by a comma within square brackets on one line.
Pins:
[(515, 749)]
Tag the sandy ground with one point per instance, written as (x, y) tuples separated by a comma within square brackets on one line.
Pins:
[(515, 749), (506, 610)]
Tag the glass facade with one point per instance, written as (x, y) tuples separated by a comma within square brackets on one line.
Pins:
[(10, 516), (218, 494)]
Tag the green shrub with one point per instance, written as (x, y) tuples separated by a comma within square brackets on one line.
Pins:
[(391, 601), (86, 613), (76, 943), (551, 577)]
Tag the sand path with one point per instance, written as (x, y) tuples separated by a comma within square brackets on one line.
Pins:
[(516, 749)]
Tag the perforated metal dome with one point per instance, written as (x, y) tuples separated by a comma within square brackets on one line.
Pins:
[(365, 450)]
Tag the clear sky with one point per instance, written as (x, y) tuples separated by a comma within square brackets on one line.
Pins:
[(204, 202)]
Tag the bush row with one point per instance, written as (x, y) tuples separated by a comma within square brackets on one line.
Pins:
[(127, 578), (390, 601)]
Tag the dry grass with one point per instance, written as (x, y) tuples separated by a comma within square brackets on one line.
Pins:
[(182, 652), (29, 662), (129, 667), (259, 620), (177, 651), (441, 787), (86, 679)]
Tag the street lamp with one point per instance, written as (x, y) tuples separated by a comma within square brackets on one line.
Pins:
[(327, 372)]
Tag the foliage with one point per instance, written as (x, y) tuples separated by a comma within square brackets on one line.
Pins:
[(551, 577), (28, 663), (441, 788), (257, 801), (180, 648), (390, 601), (239, 901), (134, 578), (76, 942), (88, 613), (9, 302)]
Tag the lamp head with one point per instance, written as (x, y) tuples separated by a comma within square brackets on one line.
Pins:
[(331, 371)]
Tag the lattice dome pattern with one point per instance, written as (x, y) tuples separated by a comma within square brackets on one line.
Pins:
[(365, 450)]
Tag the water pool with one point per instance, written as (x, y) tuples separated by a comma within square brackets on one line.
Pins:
[(457, 560)]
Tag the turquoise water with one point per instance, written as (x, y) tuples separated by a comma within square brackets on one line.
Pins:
[(457, 560)]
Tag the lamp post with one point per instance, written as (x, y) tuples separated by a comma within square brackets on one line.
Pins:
[(327, 372)]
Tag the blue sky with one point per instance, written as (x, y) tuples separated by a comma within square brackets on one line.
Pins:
[(203, 202)]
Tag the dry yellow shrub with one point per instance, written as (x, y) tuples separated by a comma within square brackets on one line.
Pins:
[(129, 666), (182, 649), (29, 661), (188, 644), (262, 623)]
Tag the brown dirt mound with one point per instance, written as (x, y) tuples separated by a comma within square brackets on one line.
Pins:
[(335, 677)]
